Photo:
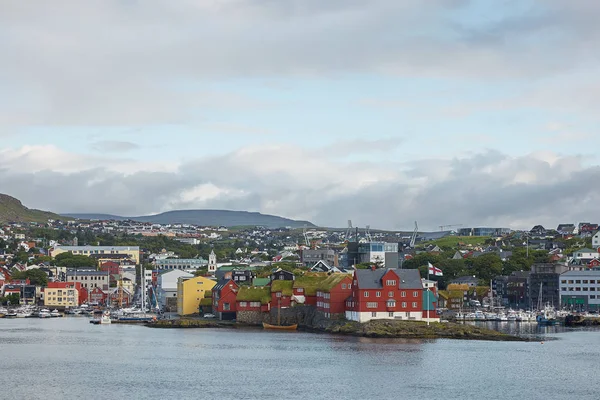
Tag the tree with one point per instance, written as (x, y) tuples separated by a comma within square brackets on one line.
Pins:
[(36, 276), (21, 257), (69, 260), (11, 298), (486, 266)]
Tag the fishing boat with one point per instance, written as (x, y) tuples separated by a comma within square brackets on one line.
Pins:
[(103, 320), (280, 327), (44, 313), (547, 315)]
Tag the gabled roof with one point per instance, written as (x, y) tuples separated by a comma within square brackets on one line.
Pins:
[(251, 293), (283, 286), (222, 283), (372, 279)]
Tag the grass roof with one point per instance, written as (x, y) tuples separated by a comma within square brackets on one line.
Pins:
[(331, 281), (253, 293), (208, 294), (310, 282), (261, 281), (455, 294), (479, 290), (443, 294), (284, 287)]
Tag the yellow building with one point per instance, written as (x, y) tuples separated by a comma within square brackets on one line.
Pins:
[(65, 295), (189, 293), (132, 252)]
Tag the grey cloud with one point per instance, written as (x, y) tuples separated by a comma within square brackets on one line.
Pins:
[(484, 189), (114, 146), (117, 63)]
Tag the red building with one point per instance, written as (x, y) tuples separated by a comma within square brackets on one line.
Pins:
[(224, 299), (98, 296), (254, 299), (385, 294), (82, 292), (594, 263), (281, 293), (332, 294), (112, 267)]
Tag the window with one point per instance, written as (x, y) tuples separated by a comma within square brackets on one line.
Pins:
[(403, 294), (226, 306), (366, 294), (390, 282), (414, 305), (391, 314), (570, 282), (592, 296), (300, 290), (585, 289), (278, 294), (403, 304), (343, 286), (563, 281), (255, 304), (415, 294), (378, 294), (592, 282), (390, 294), (585, 281), (243, 304), (374, 314), (577, 281), (371, 305), (391, 303)]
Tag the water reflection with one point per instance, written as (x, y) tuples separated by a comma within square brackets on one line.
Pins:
[(528, 329)]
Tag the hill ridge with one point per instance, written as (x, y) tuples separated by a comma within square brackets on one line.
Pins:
[(13, 210)]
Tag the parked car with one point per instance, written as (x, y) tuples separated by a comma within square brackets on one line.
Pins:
[(209, 315)]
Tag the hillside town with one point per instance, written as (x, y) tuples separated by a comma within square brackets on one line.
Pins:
[(244, 274)]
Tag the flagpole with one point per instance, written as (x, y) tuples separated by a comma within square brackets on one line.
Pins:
[(427, 303)]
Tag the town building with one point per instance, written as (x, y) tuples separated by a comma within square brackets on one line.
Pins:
[(252, 302), (89, 279), (382, 254), (132, 252), (166, 290), (97, 296), (309, 257), (179, 263), (596, 240), (483, 231), (190, 291), (386, 294), (580, 290), (545, 276), (332, 294), (513, 290), (212, 262), (224, 295), (64, 294)]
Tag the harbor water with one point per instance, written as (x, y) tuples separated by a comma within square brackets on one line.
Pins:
[(70, 358)]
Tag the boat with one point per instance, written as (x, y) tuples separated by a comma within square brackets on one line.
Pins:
[(55, 313), (44, 313), (24, 314), (280, 327), (10, 314), (547, 315), (103, 320), (512, 316)]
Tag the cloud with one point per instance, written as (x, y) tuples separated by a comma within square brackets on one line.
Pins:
[(488, 188), (140, 63), (114, 146)]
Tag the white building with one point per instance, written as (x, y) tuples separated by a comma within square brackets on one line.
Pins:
[(580, 289), (212, 262), (167, 286), (89, 279), (179, 263), (596, 240)]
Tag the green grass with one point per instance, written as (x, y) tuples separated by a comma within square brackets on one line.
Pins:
[(285, 287), (331, 281), (452, 241), (11, 210), (262, 294), (310, 282)]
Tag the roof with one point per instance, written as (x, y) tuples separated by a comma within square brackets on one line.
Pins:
[(586, 250), (332, 281), (371, 279), (86, 273), (283, 286), (309, 282), (104, 248), (589, 272), (253, 293), (261, 281), (221, 284)]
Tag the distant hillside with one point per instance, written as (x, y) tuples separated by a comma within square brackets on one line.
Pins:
[(206, 218), (12, 210)]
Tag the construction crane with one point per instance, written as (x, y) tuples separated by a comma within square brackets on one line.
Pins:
[(413, 238), (349, 230), (306, 241), (443, 227)]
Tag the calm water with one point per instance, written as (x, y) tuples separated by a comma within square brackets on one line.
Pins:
[(70, 358)]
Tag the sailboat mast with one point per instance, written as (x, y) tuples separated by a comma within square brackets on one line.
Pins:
[(279, 312)]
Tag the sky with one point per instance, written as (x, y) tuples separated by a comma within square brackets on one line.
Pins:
[(383, 112)]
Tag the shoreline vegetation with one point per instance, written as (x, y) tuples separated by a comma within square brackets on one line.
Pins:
[(372, 329)]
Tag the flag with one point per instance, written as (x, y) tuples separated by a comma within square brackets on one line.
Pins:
[(434, 270)]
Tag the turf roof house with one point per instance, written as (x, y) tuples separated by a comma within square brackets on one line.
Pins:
[(332, 294), (305, 288), (252, 299)]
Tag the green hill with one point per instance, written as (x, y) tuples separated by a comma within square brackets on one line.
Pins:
[(12, 210)]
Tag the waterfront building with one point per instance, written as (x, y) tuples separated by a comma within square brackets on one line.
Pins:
[(386, 294), (513, 290), (251, 302), (132, 252), (580, 290), (546, 276), (332, 294), (281, 293), (64, 294), (167, 288), (98, 296), (190, 291), (224, 299), (89, 279), (179, 263)]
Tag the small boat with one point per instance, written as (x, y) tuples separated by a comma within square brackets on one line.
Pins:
[(24, 314), (44, 313), (55, 313), (103, 320), (280, 327), (10, 314)]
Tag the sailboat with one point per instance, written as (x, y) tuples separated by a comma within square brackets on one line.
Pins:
[(547, 315), (279, 326)]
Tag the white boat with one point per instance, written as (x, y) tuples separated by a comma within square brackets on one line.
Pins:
[(55, 313), (511, 316), (44, 313), (103, 320), (479, 316), (490, 316), (24, 314)]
